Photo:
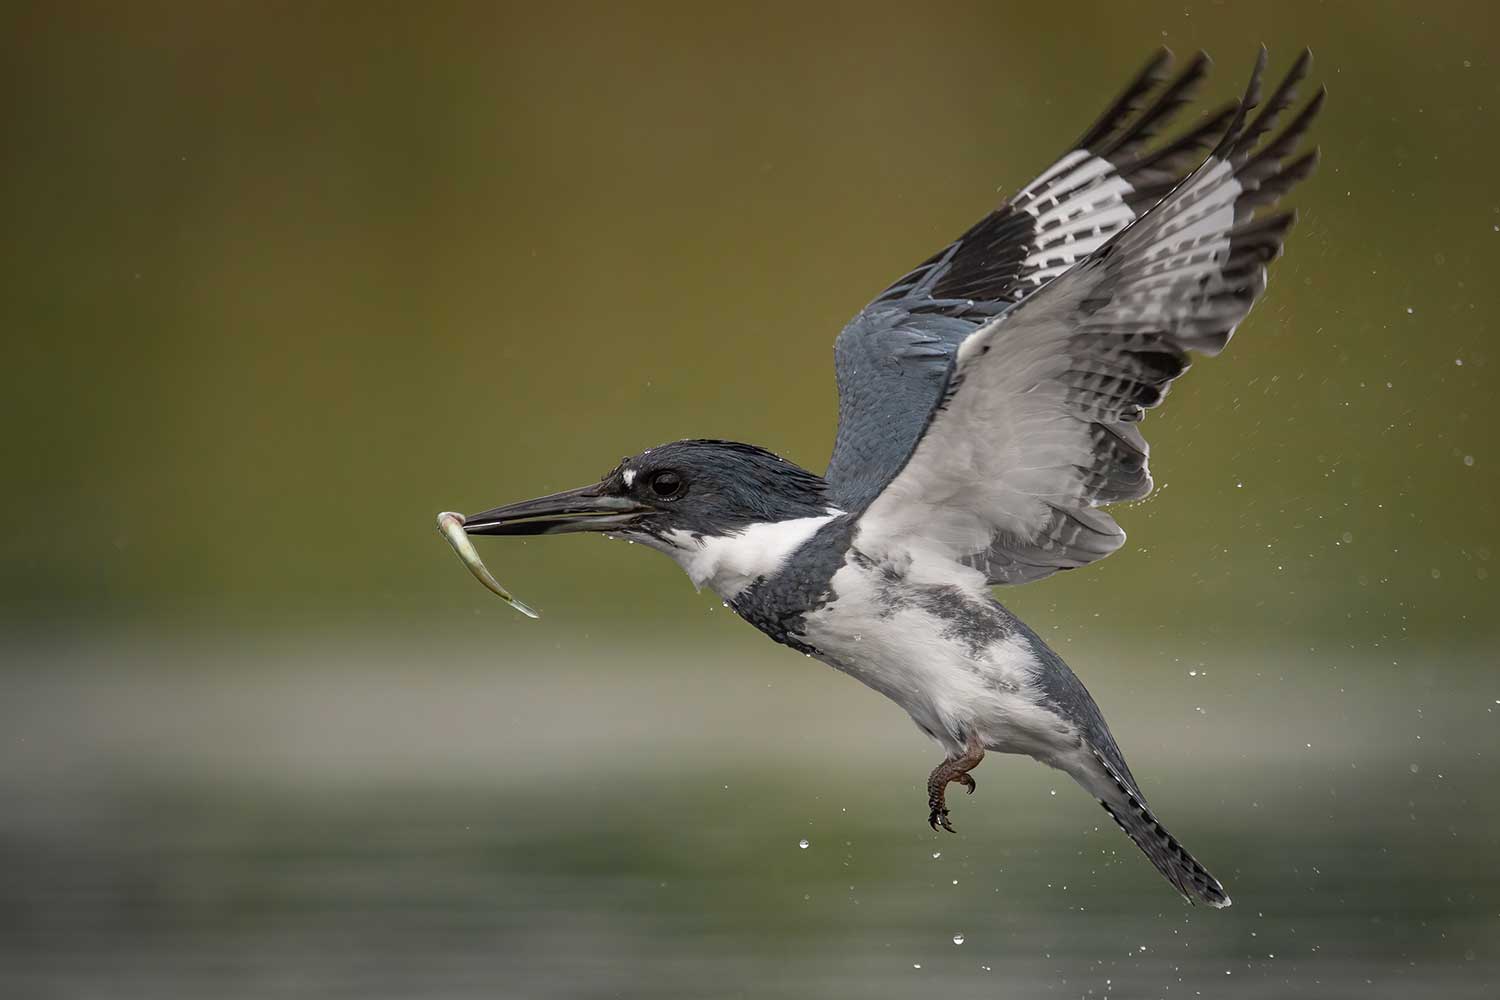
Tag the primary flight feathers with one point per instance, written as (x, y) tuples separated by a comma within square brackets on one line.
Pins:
[(989, 399)]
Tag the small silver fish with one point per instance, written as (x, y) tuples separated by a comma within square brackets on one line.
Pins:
[(451, 527)]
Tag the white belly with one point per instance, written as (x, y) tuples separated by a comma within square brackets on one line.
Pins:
[(879, 631)]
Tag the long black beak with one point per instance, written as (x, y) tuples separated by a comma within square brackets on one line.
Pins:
[(583, 509)]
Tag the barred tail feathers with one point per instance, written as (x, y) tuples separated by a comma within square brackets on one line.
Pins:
[(1124, 803)]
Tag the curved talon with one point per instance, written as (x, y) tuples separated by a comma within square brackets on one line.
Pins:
[(955, 769)]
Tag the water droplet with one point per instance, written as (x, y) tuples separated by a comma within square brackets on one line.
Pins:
[(958, 938), (803, 843), (916, 965), (1414, 768), (1459, 362), (1052, 792), (1409, 310), (938, 854)]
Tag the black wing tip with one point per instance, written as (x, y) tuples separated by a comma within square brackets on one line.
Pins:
[(1133, 123), (1196, 69), (1242, 135), (1257, 74), (1146, 79), (1200, 62), (1251, 100), (1300, 67), (1302, 167), (1263, 162), (1113, 129)]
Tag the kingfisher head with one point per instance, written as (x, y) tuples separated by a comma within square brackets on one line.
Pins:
[(727, 512)]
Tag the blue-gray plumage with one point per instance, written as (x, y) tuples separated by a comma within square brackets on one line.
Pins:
[(988, 406)]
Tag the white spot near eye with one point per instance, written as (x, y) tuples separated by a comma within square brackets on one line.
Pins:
[(629, 477)]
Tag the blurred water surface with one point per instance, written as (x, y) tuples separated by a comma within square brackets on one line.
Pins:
[(333, 817)]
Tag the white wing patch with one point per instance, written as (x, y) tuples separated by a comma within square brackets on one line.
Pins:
[(1037, 426), (1078, 204), (996, 462)]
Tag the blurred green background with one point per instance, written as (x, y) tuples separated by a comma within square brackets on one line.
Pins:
[(284, 280)]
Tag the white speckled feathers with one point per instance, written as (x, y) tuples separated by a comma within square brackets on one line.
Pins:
[(1038, 422)]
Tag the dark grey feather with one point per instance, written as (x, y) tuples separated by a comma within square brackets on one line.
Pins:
[(1065, 694), (890, 364), (892, 359), (1177, 279)]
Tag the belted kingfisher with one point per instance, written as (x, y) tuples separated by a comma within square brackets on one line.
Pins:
[(988, 406)]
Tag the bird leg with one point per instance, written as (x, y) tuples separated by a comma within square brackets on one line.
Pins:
[(953, 769)]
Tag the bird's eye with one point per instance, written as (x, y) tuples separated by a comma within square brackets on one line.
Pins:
[(666, 484)]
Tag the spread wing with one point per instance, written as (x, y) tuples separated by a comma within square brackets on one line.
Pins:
[(892, 359), (1037, 421)]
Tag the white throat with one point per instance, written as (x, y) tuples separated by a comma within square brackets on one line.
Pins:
[(727, 564)]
